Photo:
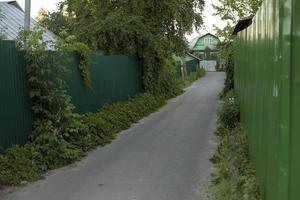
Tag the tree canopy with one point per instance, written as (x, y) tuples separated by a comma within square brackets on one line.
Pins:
[(117, 26), (152, 29), (233, 10)]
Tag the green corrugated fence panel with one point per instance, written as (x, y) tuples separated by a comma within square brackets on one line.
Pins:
[(295, 104), (191, 66), (267, 81), (15, 115), (113, 78)]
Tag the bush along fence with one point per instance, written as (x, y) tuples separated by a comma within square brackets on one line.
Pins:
[(267, 82), (59, 136), (234, 177)]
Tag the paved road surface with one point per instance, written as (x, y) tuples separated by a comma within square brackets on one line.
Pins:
[(164, 157)]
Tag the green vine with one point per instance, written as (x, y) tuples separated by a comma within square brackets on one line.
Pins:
[(51, 106), (83, 67), (69, 43)]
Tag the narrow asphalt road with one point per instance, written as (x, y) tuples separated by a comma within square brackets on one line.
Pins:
[(164, 157)]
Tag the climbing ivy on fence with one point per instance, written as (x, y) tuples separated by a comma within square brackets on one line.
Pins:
[(70, 43), (51, 105)]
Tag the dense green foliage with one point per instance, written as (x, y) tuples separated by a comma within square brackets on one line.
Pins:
[(229, 114), (69, 43), (192, 77), (57, 22), (51, 106), (234, 177), (231, 11), (229, 69), (154, 30)]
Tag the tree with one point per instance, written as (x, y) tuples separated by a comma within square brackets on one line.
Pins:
[(163, 20), (57, 22), (231, 11), (152, 29)]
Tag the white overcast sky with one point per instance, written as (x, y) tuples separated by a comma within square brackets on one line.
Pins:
[(209, 19)]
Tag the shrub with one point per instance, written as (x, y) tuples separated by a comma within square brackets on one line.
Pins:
[(16, 166), (229, 113), (200, 72), (193, 76), (234, 178)]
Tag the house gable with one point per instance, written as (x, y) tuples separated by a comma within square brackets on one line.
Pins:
[(206, 41), (13, 21)]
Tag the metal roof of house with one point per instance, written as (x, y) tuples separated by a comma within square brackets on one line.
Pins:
[(194, 41), (192, 55), (13, 21), (242, 24)]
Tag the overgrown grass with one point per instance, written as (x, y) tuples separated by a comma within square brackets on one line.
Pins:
[(193, 76), (234, 177)]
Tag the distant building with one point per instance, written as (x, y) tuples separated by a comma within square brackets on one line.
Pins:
[(205, 47), (12, 21), (186, 64)]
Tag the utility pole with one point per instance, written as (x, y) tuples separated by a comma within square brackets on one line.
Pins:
[(27, 14)]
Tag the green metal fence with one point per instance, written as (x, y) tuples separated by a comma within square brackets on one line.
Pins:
[(191, 66), (15, 115), (178, 69), (113, 78), (267, 80)]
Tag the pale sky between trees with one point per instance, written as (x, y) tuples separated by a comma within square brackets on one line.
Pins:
[(210, 20)]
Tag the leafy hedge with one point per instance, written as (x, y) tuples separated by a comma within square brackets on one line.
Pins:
[(234, 178), (229, 114), (28, 163), (193, 77), (227, 50)]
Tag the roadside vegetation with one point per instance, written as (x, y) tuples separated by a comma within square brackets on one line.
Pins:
[(187, 81), (49, 149), (234, 178)]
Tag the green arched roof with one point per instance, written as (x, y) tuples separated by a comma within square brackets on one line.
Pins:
[(194, 41)]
